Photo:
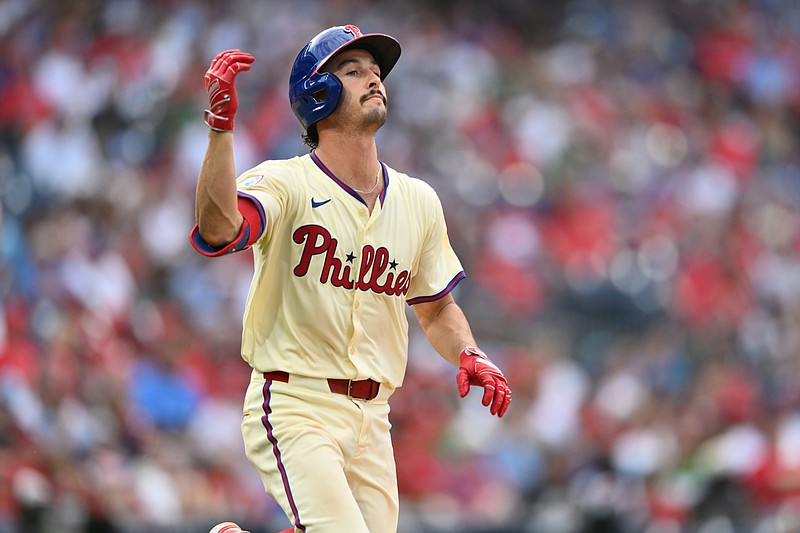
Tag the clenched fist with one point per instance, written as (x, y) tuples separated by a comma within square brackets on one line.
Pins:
[(220, 78), (476, 369)]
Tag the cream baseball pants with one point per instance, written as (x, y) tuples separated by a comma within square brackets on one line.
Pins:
[(327, 459)]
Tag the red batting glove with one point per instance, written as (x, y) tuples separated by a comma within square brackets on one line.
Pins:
[(222, 98), (477, 369)]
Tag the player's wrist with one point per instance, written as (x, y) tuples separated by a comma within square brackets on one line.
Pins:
[(472, 351), (218, 122)]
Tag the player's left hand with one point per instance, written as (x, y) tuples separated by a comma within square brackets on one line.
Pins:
[(476, 369)]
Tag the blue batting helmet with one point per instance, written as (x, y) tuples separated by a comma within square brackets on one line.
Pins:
[(314, 94)]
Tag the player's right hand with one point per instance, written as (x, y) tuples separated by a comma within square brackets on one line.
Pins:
[(219, 80)]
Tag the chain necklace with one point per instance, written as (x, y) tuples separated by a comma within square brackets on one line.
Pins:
[(377, 180)]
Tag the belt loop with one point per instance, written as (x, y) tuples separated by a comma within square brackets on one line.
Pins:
[(349, 387)]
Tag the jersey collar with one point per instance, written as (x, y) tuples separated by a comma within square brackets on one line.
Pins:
[(352, 192)]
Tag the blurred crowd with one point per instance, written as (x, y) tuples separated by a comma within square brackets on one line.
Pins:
[(621, 180)]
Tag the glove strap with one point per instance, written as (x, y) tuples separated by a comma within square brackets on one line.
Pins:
[(474, 350), (218, 123)]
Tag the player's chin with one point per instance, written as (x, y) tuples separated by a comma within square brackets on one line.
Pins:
[(376, 115), (375, 110)]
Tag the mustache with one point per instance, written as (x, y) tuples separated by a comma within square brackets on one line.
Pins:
[(373, 93)]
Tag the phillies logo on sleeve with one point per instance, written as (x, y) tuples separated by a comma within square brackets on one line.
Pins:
[(252, 180), (377, 270)]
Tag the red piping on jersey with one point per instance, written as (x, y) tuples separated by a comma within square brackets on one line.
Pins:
[(352, 192), (271, 437), (439, 295)]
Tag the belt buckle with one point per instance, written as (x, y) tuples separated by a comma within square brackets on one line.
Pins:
[(349, 388)]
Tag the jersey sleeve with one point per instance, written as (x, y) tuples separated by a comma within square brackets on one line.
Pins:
[(260, 201), (439, 269)]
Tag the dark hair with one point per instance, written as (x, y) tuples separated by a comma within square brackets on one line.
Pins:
[(311, 137)]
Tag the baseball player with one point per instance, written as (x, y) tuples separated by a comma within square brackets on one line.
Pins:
[(341, 243)]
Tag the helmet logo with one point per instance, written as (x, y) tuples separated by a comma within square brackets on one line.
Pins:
[(350, 28)]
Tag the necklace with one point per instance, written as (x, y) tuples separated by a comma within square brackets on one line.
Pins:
[(377, 180)]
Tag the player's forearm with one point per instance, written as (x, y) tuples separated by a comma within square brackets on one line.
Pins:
[(216, 208), (447, 329)]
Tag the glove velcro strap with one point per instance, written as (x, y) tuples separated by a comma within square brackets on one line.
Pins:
[(474, 350), (218, 123)]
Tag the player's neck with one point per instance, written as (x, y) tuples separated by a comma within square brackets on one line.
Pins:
[(353, 160)]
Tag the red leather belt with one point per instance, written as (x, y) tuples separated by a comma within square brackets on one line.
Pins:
[(366, 389)]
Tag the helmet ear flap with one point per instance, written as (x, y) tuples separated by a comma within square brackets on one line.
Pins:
[(316, 98)]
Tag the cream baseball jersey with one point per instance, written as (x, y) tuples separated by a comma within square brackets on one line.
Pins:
[(331, 280)]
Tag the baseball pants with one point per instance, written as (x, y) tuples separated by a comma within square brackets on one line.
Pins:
[(325, 458)]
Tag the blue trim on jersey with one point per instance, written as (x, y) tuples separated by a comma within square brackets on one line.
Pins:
[(351, 191), (202, 246), (271, 437), (439, 295), (382, 196), (208, 250)]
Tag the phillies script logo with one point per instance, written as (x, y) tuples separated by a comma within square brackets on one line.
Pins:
[(375, 264), (353, 29)]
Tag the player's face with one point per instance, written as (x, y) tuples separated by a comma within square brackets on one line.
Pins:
[(363, 101)]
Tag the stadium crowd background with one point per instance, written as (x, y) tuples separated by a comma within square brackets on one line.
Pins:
[(621, 180)]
